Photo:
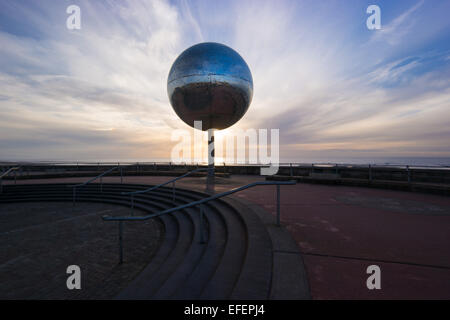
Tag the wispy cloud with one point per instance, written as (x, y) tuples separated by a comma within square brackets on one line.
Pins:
[(100, 92), (394, 31)]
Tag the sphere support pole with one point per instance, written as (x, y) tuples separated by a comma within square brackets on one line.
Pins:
[(210, 178)]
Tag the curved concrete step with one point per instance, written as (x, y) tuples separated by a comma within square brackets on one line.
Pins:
[(245, 255), (183, 256), (225, 275), (166, 283)]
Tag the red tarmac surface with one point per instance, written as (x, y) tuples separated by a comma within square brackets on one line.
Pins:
[(342, 230)]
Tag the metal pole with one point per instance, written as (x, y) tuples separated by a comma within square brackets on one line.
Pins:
[(132, 204), (211, 155), (120, 242), (278, 205), (202, 231), (173, 192)]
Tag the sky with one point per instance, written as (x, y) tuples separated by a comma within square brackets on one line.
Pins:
[(334, 88)]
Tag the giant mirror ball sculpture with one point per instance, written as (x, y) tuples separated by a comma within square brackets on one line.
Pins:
[(210, 82)]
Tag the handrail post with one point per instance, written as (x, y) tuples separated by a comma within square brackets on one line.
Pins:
[(202, 231), (173, 192), (278, 205), (120, 242), (408, 173)]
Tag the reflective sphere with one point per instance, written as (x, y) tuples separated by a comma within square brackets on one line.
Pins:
[(210, 82)]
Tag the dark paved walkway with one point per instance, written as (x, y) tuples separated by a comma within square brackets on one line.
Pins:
[(39, 240), (343, 230)]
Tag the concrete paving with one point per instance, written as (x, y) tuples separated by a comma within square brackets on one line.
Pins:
[(340, 231), (41, 239)]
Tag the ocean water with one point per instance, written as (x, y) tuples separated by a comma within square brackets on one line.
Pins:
[(403, 161)]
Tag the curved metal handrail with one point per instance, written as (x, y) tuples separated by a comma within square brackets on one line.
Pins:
[(100, 176), (95, 178), (9, 171), (198, 202), (165, 183), (120, 220), (132, 193)]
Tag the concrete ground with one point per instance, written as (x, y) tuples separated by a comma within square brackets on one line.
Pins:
[(343, 230), (39, 240)]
